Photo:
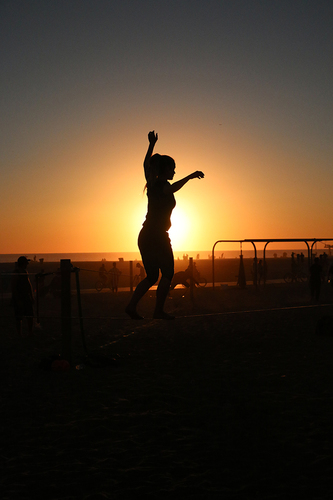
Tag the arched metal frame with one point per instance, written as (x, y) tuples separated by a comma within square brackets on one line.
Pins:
[(267, 241)]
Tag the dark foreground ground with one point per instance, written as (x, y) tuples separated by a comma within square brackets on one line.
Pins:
[(233, 399)]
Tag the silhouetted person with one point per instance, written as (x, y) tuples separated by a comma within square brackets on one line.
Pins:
[(293, 264), (184, 277), (315, 279), (180, 278), (154, 242), (22, 295), (141, 273), (103, 274), (115, 273)]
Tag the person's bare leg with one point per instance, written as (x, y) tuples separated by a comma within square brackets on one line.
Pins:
[(161, 295), (139, 292)]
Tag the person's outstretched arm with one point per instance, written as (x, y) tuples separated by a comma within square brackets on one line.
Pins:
[(152, 138), (179, 184)]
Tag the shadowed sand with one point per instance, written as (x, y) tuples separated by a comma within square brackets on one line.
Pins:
[(216, 404)]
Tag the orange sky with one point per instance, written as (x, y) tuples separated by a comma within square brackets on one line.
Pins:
[(253, 113)]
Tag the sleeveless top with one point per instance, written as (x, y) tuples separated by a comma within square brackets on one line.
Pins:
[(160, 206)]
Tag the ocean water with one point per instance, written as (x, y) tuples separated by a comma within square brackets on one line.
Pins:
[(127, 256)]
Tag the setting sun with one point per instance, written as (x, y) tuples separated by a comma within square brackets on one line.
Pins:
[(180, 229)]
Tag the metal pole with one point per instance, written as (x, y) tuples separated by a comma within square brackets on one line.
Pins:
[(265, 262), (37, 298), (213, 266), (256, 266), (66, 318), (79, 305)]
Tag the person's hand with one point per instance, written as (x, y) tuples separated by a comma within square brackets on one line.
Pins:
[(152, 137), (197, 175)]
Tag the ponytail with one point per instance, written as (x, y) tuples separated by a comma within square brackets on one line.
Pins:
[(154, 170), (158, 164)]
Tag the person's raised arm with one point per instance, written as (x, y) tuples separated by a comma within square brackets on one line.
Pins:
[(179, 184), (152, 138)]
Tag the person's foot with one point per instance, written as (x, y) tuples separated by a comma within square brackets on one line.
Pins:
[(163, 315), (133, 314)]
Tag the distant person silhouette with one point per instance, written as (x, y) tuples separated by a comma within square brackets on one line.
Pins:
[(115, 273), (184, 277), (293, 264), (180, 278), (260, 272), (22, 295), (103, 274), (315, 279), (142, 273), (154, 242)]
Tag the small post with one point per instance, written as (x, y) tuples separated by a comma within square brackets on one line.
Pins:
[(79, 305), (191, 279), (213, 268), (37, 297), (131, 275), (66, 318)]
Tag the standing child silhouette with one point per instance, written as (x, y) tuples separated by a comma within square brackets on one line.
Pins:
[(154, 242)]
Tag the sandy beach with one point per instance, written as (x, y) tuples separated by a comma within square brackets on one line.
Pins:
[(233, 399)]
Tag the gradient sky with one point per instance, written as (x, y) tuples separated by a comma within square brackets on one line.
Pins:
[(239, 89)]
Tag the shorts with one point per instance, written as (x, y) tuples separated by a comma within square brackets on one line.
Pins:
[(156, 253)]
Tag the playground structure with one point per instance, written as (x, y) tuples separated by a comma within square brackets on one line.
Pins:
[(241, 278)]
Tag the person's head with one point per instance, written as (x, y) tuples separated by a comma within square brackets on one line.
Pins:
[(23, 262), (163, 165)]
